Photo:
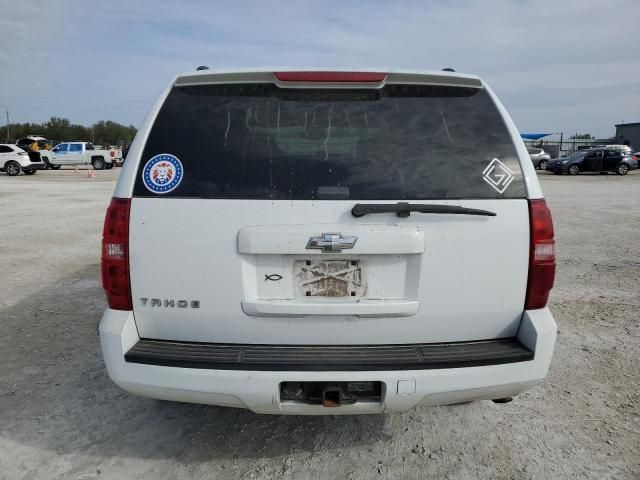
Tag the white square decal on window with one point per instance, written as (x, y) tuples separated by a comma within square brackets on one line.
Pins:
[(498, 175)]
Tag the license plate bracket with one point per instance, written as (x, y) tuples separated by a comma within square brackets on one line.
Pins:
[(329, 278)]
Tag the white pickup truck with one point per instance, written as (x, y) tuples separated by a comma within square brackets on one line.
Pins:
[(78, 153)]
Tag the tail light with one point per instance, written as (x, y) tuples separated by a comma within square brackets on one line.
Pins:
[(112, 153), (542, 255), (115, 255)]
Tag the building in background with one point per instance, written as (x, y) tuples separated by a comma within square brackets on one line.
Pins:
[(628, 134)]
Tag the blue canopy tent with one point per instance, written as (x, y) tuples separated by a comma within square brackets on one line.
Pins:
[(534, 136), (552, 148)]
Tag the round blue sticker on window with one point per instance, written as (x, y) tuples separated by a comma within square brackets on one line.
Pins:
[(162, 173)]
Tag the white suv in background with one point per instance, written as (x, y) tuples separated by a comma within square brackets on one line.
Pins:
[(14, 160), (347, 242)]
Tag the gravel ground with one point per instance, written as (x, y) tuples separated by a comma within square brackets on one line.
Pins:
[(61, 417)]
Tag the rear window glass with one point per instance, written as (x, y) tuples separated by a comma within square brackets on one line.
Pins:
[(259, 141)]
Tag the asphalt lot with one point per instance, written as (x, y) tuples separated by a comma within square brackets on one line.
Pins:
[(61, 417)]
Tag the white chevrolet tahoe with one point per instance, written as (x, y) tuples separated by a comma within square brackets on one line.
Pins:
[(78, 153), (327, 242)]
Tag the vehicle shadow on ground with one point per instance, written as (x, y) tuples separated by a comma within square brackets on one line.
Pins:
[(56, 395)]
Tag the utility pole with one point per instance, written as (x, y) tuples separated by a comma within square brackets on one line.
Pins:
[(7, 126)]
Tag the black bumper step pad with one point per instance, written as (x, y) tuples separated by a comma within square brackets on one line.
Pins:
[(226, 356)]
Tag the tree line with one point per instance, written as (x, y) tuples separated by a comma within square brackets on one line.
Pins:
[(61, 129)]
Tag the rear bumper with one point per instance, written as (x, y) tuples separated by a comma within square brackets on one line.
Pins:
[(327, 358), (30, 167), (258, 390)]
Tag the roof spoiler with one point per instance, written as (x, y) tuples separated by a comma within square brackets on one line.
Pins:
[(323, 79)]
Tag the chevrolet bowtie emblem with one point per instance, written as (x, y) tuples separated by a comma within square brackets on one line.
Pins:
[(331, 243)]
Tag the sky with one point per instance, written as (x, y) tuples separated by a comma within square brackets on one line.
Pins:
[(562, 66)]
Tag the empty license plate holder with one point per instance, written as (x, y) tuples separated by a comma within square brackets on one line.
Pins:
[(329, 278)]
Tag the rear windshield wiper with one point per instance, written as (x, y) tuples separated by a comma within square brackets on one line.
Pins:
[(403, 209)]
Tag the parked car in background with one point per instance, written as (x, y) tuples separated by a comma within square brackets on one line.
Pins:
[(78, 153), (539, 157), (288, 272), (14, 160), (561, 165), (601, 160), (621, 148)]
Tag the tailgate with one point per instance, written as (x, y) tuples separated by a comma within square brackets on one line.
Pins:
[(428, 279)]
